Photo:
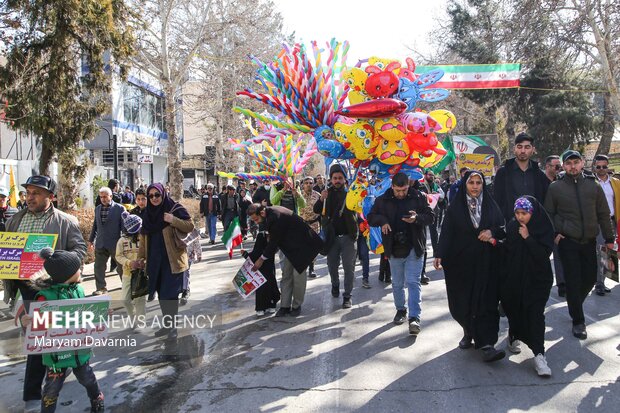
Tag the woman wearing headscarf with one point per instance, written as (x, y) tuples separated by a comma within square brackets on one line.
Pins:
[(165, 262), (468, 253), (528, 278)]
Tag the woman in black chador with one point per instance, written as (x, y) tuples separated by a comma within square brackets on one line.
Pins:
[(467, 251), (527, 278), (268, 294)]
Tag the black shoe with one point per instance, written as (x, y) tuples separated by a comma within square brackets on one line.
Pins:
[(212, 242), (366, 284), (335, 291), (294, 312), (283, 311), (184, 299), (96, 405), (606, 289), (150, 298), (465, 342), (388, 279), (312, 275), (490, 353), (562, 290), (579, 331), (424, 280), (400, 317), (162, 332), (346, 302), (381, 277), (599, 290), (172, 334), (414, 326)]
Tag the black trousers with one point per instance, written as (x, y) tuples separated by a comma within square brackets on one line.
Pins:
[(35, 370), (579, 263)]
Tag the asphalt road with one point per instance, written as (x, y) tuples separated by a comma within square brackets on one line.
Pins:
[(330, 359)]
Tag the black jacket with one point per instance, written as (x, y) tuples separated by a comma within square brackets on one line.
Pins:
[(288, 232), (332, 208), (261, 194), (384, 211), (504, 193), (224, 203), (204, 204)]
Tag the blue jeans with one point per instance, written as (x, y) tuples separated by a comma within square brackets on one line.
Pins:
[(210, 225), (408, 269), (362, 253)]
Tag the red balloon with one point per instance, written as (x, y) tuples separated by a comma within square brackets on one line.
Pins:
[(382, 83), (376, 108), (424, 143)]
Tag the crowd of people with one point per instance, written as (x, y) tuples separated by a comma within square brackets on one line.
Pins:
[(492, 240)]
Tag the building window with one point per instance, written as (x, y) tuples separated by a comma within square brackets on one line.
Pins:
[(142, 107)]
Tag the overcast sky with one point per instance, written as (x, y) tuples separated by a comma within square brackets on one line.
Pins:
[(384, 28)]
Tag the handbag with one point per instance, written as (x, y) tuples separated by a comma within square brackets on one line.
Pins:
[(183, 239), (139, 283)]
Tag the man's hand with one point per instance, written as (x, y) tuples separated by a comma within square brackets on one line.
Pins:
[(412, 217), (25, 320), (485, 236), (258, 264), (610, 246), (324, 195), (523, 231), (136, 264), (168, 217), (386, 228), (437, 263), (558, 238), (91, 246)]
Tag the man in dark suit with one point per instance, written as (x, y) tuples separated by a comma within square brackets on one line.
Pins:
[(300, 245)]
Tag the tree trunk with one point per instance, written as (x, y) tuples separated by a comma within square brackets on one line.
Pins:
[(46, 157), (175, 174), (604, 146)]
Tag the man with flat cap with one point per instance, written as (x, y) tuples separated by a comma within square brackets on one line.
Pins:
[(40, 217), (577, 207)]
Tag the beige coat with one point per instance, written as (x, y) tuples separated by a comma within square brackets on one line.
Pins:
[(177, 257), (126, 252)]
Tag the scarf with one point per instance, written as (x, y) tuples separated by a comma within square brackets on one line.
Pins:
[(153, 218), (474, 205)]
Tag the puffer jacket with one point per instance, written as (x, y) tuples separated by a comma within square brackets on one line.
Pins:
[(577, 207)]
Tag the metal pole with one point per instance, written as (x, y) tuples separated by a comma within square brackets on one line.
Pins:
[(115, 155)]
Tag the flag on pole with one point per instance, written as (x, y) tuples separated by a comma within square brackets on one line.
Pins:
[(232, 237), (12, 189), (493, 76)]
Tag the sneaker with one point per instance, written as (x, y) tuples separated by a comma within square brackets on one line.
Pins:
[(335, 291), (260, 313), (96, 405), (562, 290), (150, 298), (424, 280), (346, 302), (366, 284), (414, 326), (31, 406), (295, 312), (283, 311), (490, 353), (606, 289), (212, 242), (312, 275), (184, 298), (540, 364), (400, 317), (514, 346), (599, 290), (579, 331), (100, 291), (270, 311)]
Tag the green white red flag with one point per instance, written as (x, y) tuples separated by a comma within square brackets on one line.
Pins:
[(232, 237), (492, 76)]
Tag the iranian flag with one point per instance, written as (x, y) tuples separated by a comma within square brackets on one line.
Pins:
[(494, 76), (232, 237)]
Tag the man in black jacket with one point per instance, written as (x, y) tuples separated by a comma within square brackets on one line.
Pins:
[(230, 206), (403, 213), (343, 231), (211, 210), (299, 244), (578, 208), (519, 176)]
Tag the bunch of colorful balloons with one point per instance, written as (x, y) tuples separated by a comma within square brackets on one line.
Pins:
[(379, 133)]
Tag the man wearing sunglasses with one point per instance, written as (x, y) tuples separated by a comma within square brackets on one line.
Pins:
[(40, 217), (611, 187), (553, 166)]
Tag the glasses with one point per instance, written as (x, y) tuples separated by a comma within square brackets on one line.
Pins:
[(155, 195), (600, 167)]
